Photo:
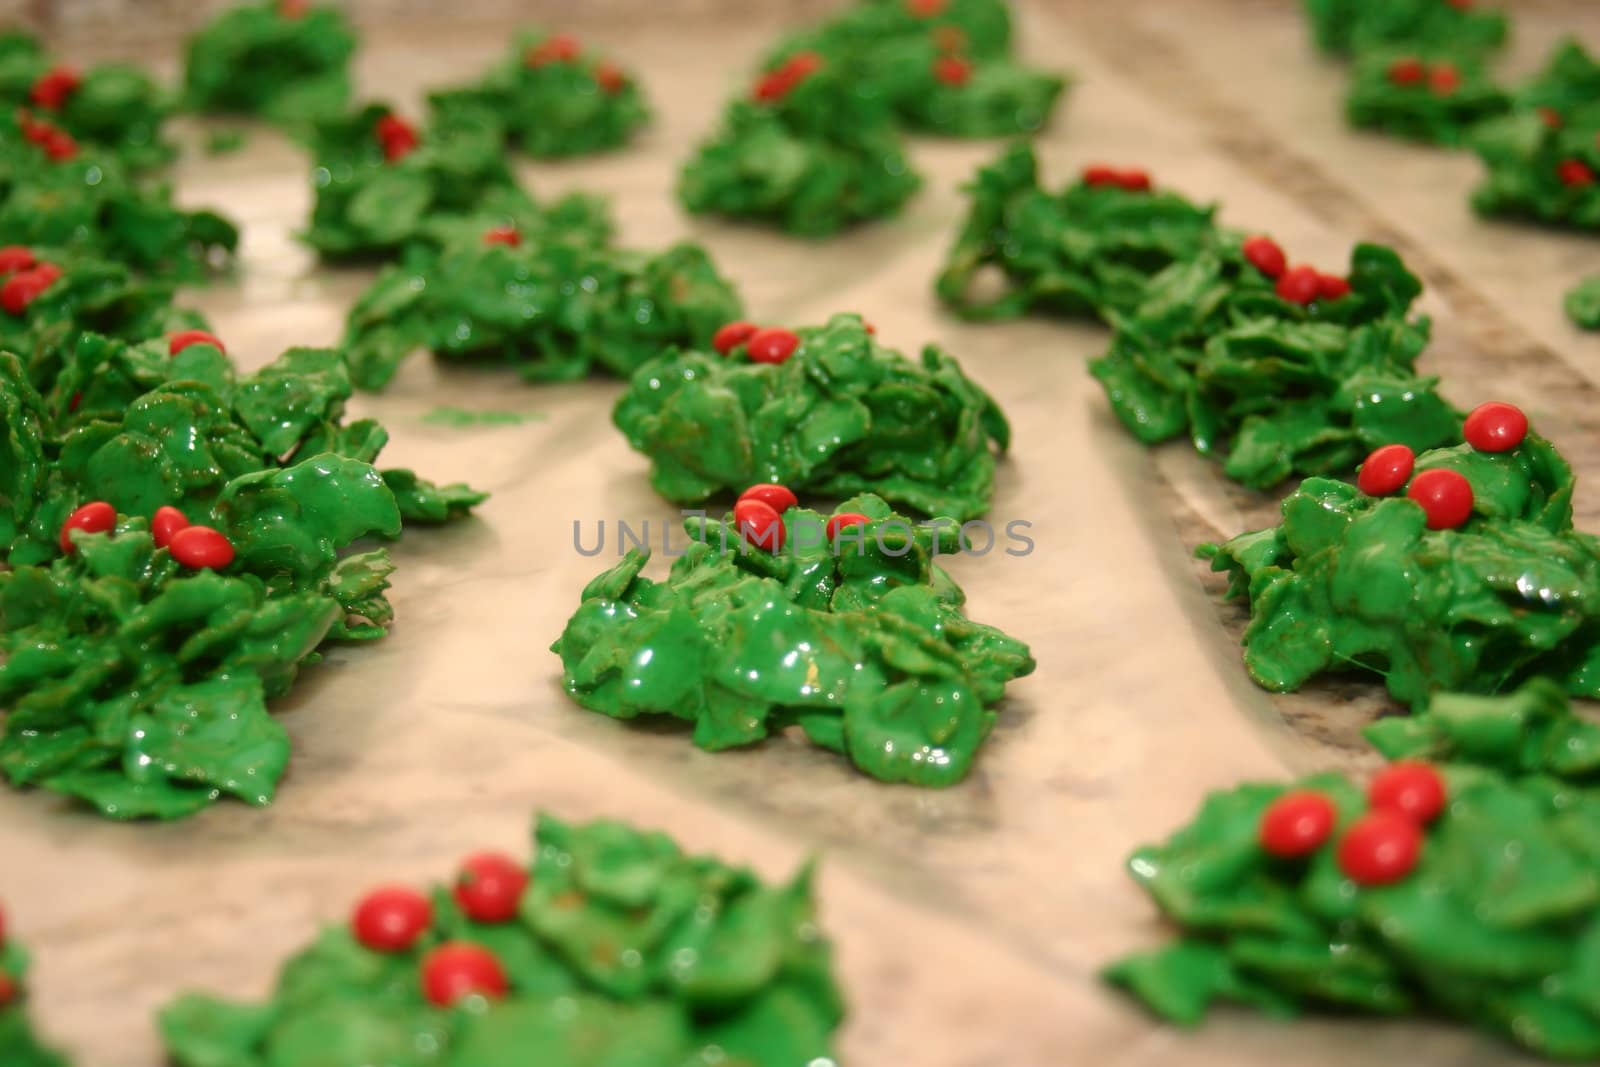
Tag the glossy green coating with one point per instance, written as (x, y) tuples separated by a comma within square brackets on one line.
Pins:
[(1353, 583), (92, 294), (140, 688), (626, 953), (254, 59), (91, 207), (1582, 303), (864, 646), (19, 1046), (843, 415), (1422, 111), (1085, 251), (461, 418), (1497, 926), (1269, 387), (1568, 85), (1524, 158), (824, 157), (888, 48), (128, 681), (140, 428), (552, 309), (117, 108), (1344, 26), (368, 206), (1531, 730), (557, 107)]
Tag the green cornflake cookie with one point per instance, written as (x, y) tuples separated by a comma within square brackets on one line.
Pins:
[(19, 1047), (90, 206), (1088, 250), (138, 684), (177, 536), (1473, 581), (1465, 890), (1344, 26), (170, 423), (811, 151), (553, 305), (379, 182), (614, 948), (1530, 731), (1582, 303), (111, 108), (827, 411), (850, 631), (71, 293), (282, 60), (1566, 90), (1422, 95), (944, 68), (1271, 386), (1541, 172), (556, 100)]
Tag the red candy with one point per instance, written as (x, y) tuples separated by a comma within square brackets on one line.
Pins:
[(610, 78), (94, 517), (8, 989), (503, 235), (1575, 172), (1445, 495), (760, 524), (1386, 470), (1300, 285), (489, 887), (775, 496), (1296, 824), (952, 70), (397, 136), (1101, 174), (1444, 79), (165, 523), (1495, 427), (1409, 789), (1134, 179), (841, 521), (557, 48), (777, 84), (771, 345), (293, 9), (732, 335), (59, 145), (14, 258), (1380, 848), (1550, 117), (1408, 71), (200, 547), (457, 969), (179, 341), (1331, 287), (26, 286), (1265, 255), (390, 919), (925, 9), (54, 86)]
